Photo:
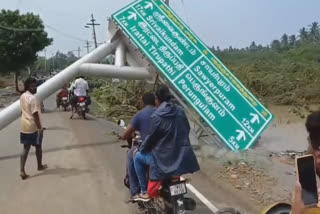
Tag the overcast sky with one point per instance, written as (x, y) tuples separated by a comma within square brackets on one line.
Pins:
[(217, 22)]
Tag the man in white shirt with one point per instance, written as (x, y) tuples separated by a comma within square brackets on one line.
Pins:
[(80, 88), (31, 128)]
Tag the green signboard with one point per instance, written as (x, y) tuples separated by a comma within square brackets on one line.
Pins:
[(213, 91)]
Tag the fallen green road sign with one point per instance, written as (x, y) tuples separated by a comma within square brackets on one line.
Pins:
[(213, 91)]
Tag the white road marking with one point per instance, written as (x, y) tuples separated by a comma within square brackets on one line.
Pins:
[(203, 199)]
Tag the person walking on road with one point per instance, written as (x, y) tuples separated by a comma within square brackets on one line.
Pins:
[(31, 128)]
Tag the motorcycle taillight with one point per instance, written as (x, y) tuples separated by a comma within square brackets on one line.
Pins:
[(82, 99)]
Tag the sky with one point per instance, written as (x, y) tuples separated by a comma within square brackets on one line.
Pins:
[(217, 22)]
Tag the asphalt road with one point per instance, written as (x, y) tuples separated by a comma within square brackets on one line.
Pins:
[(85, 175)]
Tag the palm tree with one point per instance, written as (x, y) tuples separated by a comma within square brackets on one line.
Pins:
[(276, 45), (292, 40), (304, 35), (253, 46), (314, 31), (284, 41)]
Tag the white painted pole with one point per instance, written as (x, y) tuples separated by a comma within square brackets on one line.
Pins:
[(12, 112), (125, 72), (120, 55)]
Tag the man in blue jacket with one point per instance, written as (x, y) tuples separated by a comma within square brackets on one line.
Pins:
[(166, 149)]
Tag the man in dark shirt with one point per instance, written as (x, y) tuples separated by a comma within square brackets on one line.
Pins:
[(140, 123), (167, 148)]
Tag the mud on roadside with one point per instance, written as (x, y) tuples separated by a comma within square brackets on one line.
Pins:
[(266, 173), (8, 96)]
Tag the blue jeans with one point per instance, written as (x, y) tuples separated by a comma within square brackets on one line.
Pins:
[(141, 163), (133, 179)]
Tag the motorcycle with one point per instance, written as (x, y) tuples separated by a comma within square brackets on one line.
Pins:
[(167, 196), (64, 102), (81, 108)]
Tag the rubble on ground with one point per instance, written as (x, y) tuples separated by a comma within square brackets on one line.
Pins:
[(7, 96), (255, 182)]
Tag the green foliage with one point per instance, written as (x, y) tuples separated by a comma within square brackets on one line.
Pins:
[(19, 44), (119, 99), (286, 73), (57, 62), (60, 61)]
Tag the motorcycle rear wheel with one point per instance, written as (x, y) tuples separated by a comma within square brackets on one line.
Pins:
[(280, 211), (228, 211)]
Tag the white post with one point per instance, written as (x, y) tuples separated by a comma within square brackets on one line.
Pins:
[(13, 111), (120, 55), (125, 72)]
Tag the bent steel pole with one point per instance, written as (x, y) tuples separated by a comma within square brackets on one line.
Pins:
[(125, 72), (13, 111)]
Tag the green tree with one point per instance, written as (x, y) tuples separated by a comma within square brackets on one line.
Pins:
[(253, 46), (303, 34), (21, 37), (284, 42), (292, 41), (60, 61), (276, 45), (314, 32)]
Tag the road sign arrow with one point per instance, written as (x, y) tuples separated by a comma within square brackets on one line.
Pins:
[(255, 118), (241, 135), (148, 5), (132, 16)]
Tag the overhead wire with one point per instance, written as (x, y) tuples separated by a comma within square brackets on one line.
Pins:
[(41, 29), (20, 29), (65, 34)]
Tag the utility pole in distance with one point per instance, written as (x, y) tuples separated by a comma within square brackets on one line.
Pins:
[(79, 50), (87, 46), (93, 24), (45, 61)]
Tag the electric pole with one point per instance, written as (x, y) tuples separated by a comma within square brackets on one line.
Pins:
[(87, 46), (79, 50), (53, 58), (93, 24), (45, 61)]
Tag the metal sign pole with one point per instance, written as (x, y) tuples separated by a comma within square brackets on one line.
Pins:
[(84, 66)]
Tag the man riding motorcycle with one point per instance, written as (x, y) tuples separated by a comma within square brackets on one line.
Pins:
[(64, 92), (80, 88), (140, 123), (167, 149)]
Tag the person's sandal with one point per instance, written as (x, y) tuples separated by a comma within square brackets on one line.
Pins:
[(143, 197), (24, 176), (43, 167)]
